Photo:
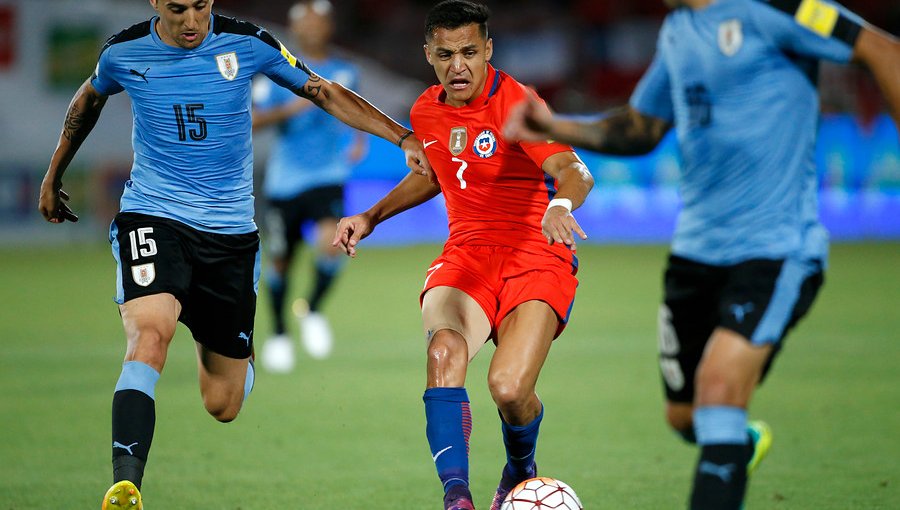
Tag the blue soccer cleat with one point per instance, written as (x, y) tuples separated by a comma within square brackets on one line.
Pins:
[(458, 498), (508, 483)]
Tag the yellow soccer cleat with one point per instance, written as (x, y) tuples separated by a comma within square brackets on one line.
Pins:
[(123, 494), (762, 441)]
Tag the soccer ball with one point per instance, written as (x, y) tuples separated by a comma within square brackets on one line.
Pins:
[(542, 493)]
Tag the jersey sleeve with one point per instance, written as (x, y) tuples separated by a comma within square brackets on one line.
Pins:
[(818, 29), (653, 94), (103, 80), (276, 62)]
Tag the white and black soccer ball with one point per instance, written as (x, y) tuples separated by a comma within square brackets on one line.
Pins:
[(542, 493)]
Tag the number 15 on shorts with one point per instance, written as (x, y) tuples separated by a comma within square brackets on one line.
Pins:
[(141, 244)]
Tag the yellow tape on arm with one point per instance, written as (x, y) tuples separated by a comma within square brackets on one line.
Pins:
[(818, 16), (287, 55)]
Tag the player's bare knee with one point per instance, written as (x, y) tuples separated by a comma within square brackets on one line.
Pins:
[(719, 386), (509, 393), (680, 416), (149, 345), (447, 348), (222, 409)]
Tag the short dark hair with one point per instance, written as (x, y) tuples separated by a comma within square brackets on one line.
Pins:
[(452, 14)]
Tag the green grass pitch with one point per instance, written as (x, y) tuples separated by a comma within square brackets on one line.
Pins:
[(348, 432)]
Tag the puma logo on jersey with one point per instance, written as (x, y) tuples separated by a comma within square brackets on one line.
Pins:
[(142, 75)]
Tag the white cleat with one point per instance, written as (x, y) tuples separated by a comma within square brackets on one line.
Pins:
[(315, 334), (278, 354)]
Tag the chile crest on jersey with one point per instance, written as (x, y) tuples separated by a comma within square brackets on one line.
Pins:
[(485, 144)]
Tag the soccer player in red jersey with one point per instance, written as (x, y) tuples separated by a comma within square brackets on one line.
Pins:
[(507, 271)]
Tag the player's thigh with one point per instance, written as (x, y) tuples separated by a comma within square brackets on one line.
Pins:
[(763, 299), (450, 308), (730, 369), (523, 342), (149, 323), (153, 277), (687, 318), (325, 229), (222, 378), (221, 305)]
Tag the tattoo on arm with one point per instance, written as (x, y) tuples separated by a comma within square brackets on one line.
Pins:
[(312, 88), (78, 123), (627, 132)]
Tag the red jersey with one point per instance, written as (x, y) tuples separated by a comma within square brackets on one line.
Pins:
[(496, 192)]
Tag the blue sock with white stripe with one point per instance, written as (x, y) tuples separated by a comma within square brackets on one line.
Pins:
[(720, 479), (133, 420), (448, 426)]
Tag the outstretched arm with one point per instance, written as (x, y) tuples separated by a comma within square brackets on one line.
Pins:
[(410, 192), (84, 110), (880, 52), (356, 112), (574, 182), (625, 131)]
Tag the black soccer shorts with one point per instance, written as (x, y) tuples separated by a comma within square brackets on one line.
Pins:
[(213, 276), (284, 219), (760, 299)]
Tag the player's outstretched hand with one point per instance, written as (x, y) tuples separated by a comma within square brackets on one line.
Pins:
[(558, 226), (528, 121), (416, 159), (52, 203), (350, 231)]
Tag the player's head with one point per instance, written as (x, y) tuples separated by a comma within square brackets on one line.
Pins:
[(458, 48), (312, 24), (183, 23)]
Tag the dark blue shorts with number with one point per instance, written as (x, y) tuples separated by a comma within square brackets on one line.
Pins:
[(760, 299), (213, 276)]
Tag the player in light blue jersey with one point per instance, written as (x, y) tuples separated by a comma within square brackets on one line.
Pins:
[(311, 159), (737, 79), (185, 241)]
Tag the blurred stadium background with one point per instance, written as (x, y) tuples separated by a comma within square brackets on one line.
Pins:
[(834, 409)]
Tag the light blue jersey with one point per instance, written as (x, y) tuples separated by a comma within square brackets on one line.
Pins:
[(312, 148), (738, 80), (193, 159)]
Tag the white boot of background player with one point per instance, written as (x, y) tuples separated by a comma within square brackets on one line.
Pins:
[(315, 335), (278, 354)]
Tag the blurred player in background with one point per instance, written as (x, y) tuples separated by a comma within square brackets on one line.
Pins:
[(304, 182), (737, 79), (185, 242), (507, 271)]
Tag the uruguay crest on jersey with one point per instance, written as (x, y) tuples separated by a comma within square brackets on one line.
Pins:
[(485, 144), (731, 37), (228, 65)]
